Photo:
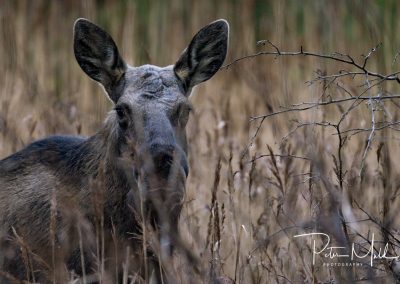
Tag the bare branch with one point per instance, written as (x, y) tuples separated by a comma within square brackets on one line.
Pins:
[(371, 104), (343, 58), (384, 126), (310, 105), (280, 156)]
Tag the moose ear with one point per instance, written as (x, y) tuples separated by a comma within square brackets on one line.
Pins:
[(204, 55), (98, 55)]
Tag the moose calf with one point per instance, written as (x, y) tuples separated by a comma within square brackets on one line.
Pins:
[(64, 197)]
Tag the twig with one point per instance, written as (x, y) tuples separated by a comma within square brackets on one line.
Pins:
[(384, 126), (310, 105), (371, 104), (280, 156), (383, 229), (343, 58)]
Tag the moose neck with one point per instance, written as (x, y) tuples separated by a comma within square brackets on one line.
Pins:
[(104, 166)]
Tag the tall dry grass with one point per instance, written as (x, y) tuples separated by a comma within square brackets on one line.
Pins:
[(241, 210)]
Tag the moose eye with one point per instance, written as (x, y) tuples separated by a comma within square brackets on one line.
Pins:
[(120, 112)]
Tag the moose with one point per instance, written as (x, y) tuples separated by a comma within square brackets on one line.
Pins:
[(63, 195)]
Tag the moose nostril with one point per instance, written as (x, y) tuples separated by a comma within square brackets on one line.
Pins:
[(163, 162), (164, 159)]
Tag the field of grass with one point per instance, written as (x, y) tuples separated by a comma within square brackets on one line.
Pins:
[(252, 187)]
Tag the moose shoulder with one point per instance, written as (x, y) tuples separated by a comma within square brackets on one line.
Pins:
[(59, 194)]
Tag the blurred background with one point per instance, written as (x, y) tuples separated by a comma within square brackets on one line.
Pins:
[(43, 92)]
